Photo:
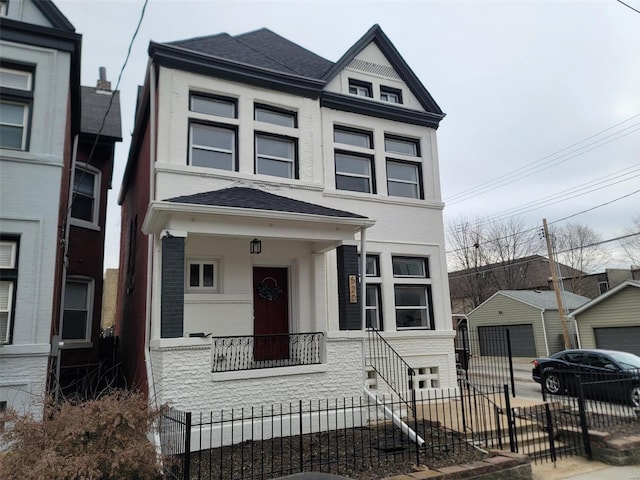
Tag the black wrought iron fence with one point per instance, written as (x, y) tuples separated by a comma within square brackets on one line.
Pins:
[(266, 351)]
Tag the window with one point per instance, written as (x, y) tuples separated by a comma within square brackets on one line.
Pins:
[(275, 156), (210, 105), (213, 147), (86, 193), (413, 304), (391, 95), (603, 287), (8, 280), (373, 308), (403, 146), (354, 172), (403, 179), (78, 303), (17, 94), (202, 276), (356, 138), (360, 88), (275, 116), (410, 267)]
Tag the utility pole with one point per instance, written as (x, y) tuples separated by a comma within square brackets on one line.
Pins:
[(556, 286)]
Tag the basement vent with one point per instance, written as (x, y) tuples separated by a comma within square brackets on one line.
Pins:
[(374, 68)]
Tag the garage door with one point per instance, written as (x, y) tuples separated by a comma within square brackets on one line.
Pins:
[(626, 339), (493, 342)]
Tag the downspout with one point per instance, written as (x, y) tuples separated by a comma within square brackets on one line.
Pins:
[(575, 329), (406, 429), (544, 332), (363, 277)]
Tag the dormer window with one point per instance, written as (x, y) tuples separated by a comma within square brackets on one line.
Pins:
[(390, 95), (359, 88)]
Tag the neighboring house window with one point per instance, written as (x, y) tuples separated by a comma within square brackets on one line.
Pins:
[(213, 141), (354, 168), (202, 276), (391, 95), (360, 88), (8, 280), (404, 176), (373, 306), (85, 202), (412, 290), (603, 287), (16, 92), (78, 306), (276, 143)]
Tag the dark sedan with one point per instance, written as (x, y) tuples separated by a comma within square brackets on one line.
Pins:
[(606, 374)]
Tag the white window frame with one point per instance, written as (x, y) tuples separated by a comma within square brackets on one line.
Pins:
[(390, 95), (24, 126), (416, 184), (13, 95), (8, 310), (273, 113), (8, 279), (233, 151), (360, 88), (420, 280), (86, 341), (290, 161), (12, 256), (214, 99), (200, 261), (369, 177), (94, 223)]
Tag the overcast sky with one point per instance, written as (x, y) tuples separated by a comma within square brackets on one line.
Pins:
[(542, 97)]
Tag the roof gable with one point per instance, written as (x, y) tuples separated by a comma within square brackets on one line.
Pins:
[(377, 36), (605, 296), (42, 13)]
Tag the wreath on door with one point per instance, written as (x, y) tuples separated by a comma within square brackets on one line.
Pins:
[(269, 292)]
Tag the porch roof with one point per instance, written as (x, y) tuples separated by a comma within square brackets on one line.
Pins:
[(242, 211)]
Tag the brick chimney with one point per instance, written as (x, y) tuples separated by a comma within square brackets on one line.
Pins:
[(103, 84)]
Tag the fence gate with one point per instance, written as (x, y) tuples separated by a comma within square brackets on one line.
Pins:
[(175, 443)]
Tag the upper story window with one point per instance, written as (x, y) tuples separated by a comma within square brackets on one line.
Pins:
[(390, 95), (360, 88), (275, 116), (404, 176), (410, 267), (78, 310), (16, 92), (8, 281), (402, 146), (85, 202), (275, 156), (212, 105), (354, 162), (412, 292), (213, 141), (356, 138)]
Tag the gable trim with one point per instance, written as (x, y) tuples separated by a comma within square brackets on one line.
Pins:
[(55, 16), (196, 62), (372, 108), (376, 35), (604, 296)]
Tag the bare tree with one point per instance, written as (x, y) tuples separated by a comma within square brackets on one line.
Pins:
[(579, 247), (631, 244)]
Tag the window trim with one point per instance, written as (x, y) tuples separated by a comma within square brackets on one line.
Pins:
[(371, 177), (90, 283), (294, 161), (419, 181), (94, 223), (213, 97), (20, 96), (277, 110), (360, 84), (218, 125), (10, 274), (428, 307), (215, 261), (385, 90)]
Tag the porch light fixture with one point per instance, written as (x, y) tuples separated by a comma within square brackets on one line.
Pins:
[(255, 246)]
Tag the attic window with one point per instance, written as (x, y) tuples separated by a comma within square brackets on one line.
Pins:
[(390, 95), (359, 88)]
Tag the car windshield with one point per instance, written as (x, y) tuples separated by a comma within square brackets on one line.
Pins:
[(626, 360)]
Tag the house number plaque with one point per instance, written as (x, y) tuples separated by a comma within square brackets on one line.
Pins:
[(353, 289)]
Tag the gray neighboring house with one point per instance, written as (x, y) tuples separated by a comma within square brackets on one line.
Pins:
[(531, 316), (611, 320)]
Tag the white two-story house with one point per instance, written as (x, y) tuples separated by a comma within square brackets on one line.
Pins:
[(259, 174)]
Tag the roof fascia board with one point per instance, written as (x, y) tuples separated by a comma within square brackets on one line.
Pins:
[(375, 34), (195, 62), (157, 208), (374, 109), (604, 296), (54, 15)]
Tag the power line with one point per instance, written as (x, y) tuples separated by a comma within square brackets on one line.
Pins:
[(628, 6)]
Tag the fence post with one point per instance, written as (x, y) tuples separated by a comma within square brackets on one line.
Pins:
[(552, 441), (513, 382), (415, 421), (512, 434), (186, 459), (301, 442), (583, 418)]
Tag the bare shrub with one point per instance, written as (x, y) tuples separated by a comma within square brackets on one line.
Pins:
[(92, 440)]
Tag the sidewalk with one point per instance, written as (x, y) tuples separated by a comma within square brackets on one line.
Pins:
[(579, 468)]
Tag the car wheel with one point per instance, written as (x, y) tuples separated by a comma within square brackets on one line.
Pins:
[(634, 396), (552, 383)]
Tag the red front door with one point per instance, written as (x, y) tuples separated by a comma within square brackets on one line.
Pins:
[(270, 313)]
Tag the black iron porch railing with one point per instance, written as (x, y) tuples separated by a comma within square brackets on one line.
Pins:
[(230, 354)]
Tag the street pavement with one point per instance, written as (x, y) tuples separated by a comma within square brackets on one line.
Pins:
[(579, 468)]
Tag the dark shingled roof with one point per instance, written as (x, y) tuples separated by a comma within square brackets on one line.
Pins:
[(93, 107), (260, 48), (243, 197)]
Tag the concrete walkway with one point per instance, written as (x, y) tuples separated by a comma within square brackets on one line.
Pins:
[(579, 468)]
